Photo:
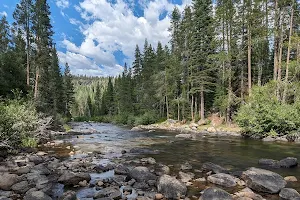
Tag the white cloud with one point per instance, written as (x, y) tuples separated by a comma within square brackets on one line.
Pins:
[(112, 27), (3, 13), (62, 3)]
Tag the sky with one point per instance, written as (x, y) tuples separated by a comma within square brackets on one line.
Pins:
[(96, 37)]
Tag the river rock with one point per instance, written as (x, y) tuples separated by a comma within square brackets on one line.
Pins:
[(138, 150), (288, 162), (262, 180), (22, 170), (269, 162), (69, 195), (142, 174), (7, 180), (170, 187), (149, 160), (35, 159), (208, 166), (162, 169), (186, 166), (121, 170), (186, 177), (36, 195), (186, 136), (215, 193), (70, 178), (222, 179), (247, 193), (21, 187), (289, 194), (268, 139), (109, 193), (290, 179)]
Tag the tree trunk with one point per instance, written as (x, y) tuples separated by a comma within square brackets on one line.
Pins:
[(37, 75), (249, 59), (202, 104), (192, 108), (259, 74), (276, 41), (280, 60), (288, 55), (167, 107), (178, 110)]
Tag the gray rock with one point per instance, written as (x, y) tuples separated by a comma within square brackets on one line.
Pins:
[(69, 195), (149, 160), (36, 195), (22, 170), (162, 169), (208, 166), (21, 187), (186, 166), (262, 180), (247, 193), (138, 150), (36, 159), (7, 180), (110, 192), (288, 194), (186, 136), (121, 170), (70, 178), (222, 179), (142, 174), (269, 162), (141, 185), (186, 177), (40, 169), (170, 187), (215, 193), (268, 139), (288, 162)]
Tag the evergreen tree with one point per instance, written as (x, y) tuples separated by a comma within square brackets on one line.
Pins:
[(68, 90)]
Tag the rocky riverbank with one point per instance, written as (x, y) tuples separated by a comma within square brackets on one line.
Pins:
[(40, 176)]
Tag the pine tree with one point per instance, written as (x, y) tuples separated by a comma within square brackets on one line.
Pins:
[(23, 15), (200, 70), (68, 90)]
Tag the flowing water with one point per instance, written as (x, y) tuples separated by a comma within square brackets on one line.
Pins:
[(235, 154)]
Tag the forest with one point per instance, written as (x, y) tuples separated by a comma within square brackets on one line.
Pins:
[(32, 84), (240, 59)]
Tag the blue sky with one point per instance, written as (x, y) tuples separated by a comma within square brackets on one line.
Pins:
[(96, 37)]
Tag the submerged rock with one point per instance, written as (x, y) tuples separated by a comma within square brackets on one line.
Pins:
[(110, 192), (69, 195), (288, 162), (186, 166), (186, 136), (222, 179), (215, 193), (208, 166), (170, 187), (262, 180), (289, 194), (269, 162)]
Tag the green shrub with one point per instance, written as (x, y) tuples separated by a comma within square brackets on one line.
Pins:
[(18, 120), (146, 118), (263, 114), (29, 142)]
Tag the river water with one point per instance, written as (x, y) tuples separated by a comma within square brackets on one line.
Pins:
[(235, 154)]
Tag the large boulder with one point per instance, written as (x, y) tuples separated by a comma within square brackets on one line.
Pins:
[(170, 187), (222, 179), (208, 166), (215, 193), (289, 194), (70, 178), (262, 180), (288, 162), (142, 174), (36, 195), (7, 180)]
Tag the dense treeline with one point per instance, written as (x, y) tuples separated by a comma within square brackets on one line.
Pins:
[(215, 58), (31, 80)]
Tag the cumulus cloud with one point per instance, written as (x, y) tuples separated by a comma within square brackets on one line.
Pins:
[(62, 3), (3, 14), (109, 27)]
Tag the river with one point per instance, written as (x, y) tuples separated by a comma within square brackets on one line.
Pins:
[(235, 154)]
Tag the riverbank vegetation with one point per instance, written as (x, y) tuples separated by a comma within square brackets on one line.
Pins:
[(33, 87), (241, 62)]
